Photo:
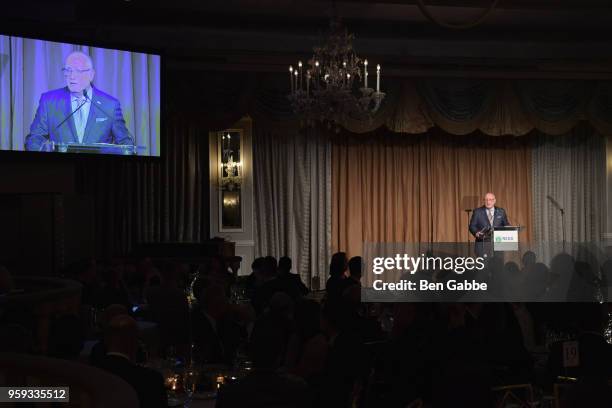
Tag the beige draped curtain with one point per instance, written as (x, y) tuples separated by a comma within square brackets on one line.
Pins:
[(390, 188)]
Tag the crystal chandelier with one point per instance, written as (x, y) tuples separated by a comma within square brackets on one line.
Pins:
[(335, 84)]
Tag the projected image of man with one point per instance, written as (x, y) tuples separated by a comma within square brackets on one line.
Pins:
[(79, 113)]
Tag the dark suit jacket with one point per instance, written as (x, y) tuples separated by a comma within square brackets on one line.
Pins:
[(480, 220), (149, 384), (54, 106)]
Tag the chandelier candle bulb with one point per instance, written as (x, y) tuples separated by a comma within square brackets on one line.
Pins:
[(308, 82), (377, 78), (291, 77), (365, 73), (295, 74), (300, 67)]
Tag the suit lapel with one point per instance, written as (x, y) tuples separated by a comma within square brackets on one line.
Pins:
[(68, 110)]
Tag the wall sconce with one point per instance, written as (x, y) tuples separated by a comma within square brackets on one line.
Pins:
[(231, 170), (230, 180)]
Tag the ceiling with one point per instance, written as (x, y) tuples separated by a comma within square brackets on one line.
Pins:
[(521, 38)]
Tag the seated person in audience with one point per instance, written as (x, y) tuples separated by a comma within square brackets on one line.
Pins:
[(337, 268), (99, 350), (66, 337), (169, 308), (403, 368), (287, 282), (280, 314), (496, 327), (307, 348), (216, 333), (344, 370), (122, 344), (528, 260), (263, 293), (217, 270), (458, 361), (256, 277), (594, 353), (113, 289), (366, 329), (354, 278), (265, 386)]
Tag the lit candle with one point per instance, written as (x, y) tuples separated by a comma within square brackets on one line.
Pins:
[(291, 77), (295, 74), (317, 71), (300, 67), (378, 78), (365, 73), (220, 380)]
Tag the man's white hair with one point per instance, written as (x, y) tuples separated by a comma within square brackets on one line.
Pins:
[(81, 54)]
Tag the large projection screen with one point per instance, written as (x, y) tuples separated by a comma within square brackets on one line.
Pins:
[(43, 82)]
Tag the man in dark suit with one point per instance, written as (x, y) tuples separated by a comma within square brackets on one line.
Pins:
[(97, 118), (487, 217), (122, 343), (484, 220)]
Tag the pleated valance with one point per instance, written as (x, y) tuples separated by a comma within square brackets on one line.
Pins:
[(458, 106)]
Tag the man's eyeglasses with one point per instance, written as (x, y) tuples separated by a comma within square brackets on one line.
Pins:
[(67, 71)]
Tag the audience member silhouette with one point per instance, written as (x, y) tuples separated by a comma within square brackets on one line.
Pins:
[(354, 278), (168, 307), (122, 344), (595, 354), (265, 386), (268, 285), (66, 337), (287, 282), (337, 268), (216, 335), (343, 369), (308, 347), (113, 289)]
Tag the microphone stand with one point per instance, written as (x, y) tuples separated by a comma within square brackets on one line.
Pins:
[(467, 212), (467, 241), (563, 226), (562, 211), (72, 113)]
